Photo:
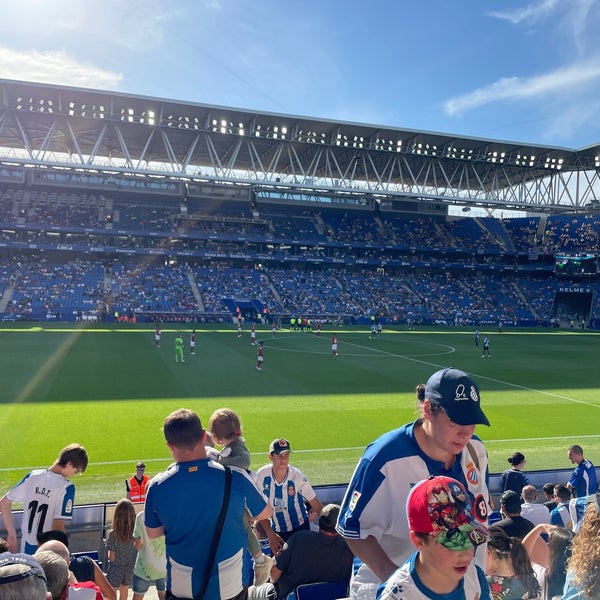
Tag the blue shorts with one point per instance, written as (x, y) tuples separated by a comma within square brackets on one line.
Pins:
[(141, 586)]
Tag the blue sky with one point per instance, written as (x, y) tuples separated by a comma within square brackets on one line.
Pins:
[(515, 70)]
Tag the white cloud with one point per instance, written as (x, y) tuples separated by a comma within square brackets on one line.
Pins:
[(565, 80), (528, 14), (56, 68)]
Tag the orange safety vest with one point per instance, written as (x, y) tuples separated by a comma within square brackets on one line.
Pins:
[(137, 490)]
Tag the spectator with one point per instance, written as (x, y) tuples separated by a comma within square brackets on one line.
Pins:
[(22, 577), (508, 568), (179, 507), (312, 557), (445, 533), (442, 441), (50, 510), (561, 515), (77, 590), (513, 478), (288, 491), (513, 524), (548, 489), (85, 570), (549, 559), (150, 563), (56, 570), (137, 485), (531, 509), (583, 575), (583, 478), (121, 548)]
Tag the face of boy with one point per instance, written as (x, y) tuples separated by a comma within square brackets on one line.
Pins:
[(280, 461), (439, 568)]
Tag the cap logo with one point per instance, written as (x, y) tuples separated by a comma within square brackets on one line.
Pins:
[(474, 395), (461, 394)]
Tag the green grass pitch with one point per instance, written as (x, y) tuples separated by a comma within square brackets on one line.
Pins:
[(108, 388)]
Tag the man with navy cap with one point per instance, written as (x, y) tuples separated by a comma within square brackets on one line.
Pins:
[(288, 492), (440, 442)]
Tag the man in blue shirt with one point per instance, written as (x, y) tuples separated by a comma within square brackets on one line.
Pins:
[(184, 503), (583, 478)]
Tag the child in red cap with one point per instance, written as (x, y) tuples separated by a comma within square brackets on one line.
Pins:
[(445, 534)]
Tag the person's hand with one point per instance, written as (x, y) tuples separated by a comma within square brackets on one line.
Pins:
[(313, 515), (11, 540), (276, 543)]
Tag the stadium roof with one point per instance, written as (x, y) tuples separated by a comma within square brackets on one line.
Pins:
[(70, 129)]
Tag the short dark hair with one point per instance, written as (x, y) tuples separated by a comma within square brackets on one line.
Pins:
[(183, 428), (548, 488), (74, 454), (562, 492), (576, 448), (53, 534)]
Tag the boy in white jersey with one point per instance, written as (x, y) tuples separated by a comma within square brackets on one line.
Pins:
[(47, 496), (445, 534)]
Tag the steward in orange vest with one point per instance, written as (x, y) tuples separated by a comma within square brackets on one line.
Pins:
[(138, 484)]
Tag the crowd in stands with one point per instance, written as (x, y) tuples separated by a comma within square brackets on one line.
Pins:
[(36, 286), (187, 257)]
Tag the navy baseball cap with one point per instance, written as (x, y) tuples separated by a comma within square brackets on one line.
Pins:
[(7, 558), (511, 500), (279, 446), (458, 395)]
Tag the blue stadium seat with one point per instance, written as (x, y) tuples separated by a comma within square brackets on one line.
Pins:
[(322, 590)]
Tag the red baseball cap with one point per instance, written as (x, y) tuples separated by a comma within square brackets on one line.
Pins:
[(441, 506)]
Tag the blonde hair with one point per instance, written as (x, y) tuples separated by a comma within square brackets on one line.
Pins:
[(224, 425), (124, 520), (585, 556)]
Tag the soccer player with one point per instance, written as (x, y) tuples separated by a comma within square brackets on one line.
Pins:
[(193, 342), (260, 356), (253, 334), (334, 344), (157, 333), (486, 348), (273, 329), (179, 348), (47, 496)]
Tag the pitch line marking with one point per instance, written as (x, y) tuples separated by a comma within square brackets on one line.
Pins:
[(320, 450), (479, 377)]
